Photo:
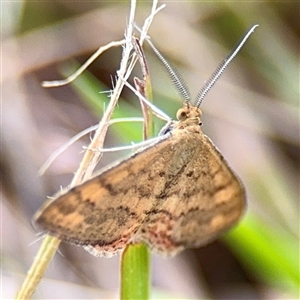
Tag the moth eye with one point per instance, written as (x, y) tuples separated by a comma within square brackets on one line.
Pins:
[(181, 115)]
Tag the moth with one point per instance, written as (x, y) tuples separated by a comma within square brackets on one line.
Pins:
[(173, 194)]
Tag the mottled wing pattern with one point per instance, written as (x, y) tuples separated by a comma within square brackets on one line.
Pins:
[(104, 212), (202, 198), (178, 193)]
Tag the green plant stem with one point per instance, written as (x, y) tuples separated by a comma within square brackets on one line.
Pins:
[(135, 272), (135, 260)]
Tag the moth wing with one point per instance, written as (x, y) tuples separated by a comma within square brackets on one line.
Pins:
[(104, 212), (204, 199)]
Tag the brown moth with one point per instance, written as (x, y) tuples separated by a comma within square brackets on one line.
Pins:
[(177, 193)]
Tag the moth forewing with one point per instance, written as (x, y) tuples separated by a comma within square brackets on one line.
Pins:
[(107, 210), (202, 198)]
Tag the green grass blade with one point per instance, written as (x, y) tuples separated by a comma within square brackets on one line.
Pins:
[(271, 255)]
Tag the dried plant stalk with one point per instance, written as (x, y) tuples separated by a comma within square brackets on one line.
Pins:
[(91, 158)]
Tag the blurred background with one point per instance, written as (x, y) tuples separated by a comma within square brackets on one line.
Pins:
[(252, 115)]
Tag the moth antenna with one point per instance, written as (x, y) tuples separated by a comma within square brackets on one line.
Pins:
[(175, 77), (220, 69)]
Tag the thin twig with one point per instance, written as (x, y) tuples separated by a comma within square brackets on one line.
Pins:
[(56, 83), (132, 146), (91, 158), (77, 137)]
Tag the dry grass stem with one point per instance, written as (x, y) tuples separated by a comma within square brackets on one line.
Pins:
[(90, 158), (57, 83), (77, 137)]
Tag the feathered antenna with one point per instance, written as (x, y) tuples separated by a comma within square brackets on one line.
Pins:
[(217, 73), (175, 77)]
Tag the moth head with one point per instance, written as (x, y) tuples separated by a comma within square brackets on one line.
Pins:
[(189, 114)]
